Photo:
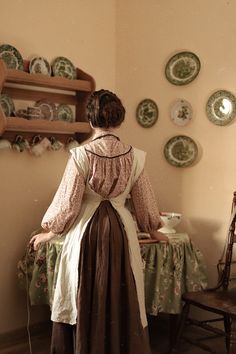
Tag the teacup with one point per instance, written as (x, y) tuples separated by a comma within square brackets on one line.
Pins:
[(55, 144), (34, 112), (39, 145), (22, 113), (71, 144), (5, 144), (20, 144)]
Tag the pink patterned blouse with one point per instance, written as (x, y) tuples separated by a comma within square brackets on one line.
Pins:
[(110, 163)]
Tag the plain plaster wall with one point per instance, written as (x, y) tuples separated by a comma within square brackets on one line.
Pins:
[(84, 32)]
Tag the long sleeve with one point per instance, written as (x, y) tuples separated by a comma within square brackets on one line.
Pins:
[(66, 203), (145, 206)]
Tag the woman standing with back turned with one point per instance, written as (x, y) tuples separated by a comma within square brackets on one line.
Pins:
[(98, 305)]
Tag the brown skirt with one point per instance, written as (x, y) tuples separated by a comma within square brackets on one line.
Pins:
[(108, 319)]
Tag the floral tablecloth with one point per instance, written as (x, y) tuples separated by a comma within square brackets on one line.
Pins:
[(170, 269)]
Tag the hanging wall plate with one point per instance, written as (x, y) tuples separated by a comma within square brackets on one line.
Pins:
[(181, 112), (147, 113), (182, 68), (221, 107), (181, 151)]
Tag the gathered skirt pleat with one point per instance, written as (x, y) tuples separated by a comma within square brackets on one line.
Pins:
[(108, 320)]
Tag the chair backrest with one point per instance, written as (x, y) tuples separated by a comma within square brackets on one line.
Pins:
[(224, 264)]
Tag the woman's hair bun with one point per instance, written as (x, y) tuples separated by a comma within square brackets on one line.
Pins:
[(105, 109)]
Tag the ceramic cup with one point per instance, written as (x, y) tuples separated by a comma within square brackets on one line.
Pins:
[(34, 112), (71, 144), (55, 144), (5, 144), (22, 113), (39, 145), (20, 144)]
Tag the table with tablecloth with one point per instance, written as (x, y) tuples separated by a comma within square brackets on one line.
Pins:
[(170, 269)]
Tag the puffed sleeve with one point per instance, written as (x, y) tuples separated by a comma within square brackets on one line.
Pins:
[(66, 203), (144, 204)]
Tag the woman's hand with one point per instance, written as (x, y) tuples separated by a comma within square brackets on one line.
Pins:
[(158, 236), (43, 237)]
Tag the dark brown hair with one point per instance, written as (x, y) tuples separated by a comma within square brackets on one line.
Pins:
[(105, 109)]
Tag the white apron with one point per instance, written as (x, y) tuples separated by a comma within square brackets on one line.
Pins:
[(64, 305)]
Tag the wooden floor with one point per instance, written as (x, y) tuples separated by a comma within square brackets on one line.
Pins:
[(18, 342), (159, 338)]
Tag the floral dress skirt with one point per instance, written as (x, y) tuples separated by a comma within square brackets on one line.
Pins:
[(108, 320)]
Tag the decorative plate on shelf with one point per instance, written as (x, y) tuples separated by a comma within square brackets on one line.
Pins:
[(181, 151), (7, 105), (39, 65), (64, 112), (181, 112), (48, 109), (182, 68), (221, 107), (11, 56), (62, 66), (147, 113)]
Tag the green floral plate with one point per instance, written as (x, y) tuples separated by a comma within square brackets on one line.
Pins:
[(182, 68), (181, 151), (39, 65), (65, 113), (48, 109), (7, 105), (11, 56), (221, 107), (62, 66), (181, 112), (147, 113)]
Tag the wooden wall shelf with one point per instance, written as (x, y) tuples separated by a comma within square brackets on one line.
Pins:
[(16, 124), (21, 85)]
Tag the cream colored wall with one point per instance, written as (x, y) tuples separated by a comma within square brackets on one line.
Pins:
[(149, 32), (84, 32)]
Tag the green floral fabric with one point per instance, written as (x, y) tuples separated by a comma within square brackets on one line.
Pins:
[(169, 270), (37, 270)]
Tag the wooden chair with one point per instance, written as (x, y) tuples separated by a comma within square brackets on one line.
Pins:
[(219, 300)]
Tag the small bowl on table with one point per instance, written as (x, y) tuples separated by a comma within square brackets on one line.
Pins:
[(170, 220)]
